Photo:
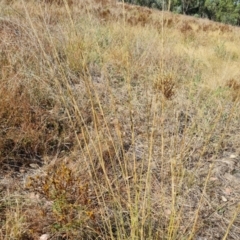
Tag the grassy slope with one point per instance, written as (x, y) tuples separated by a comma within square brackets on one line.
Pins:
[(117, 122)]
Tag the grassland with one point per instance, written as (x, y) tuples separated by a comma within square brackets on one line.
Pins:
[(117, 122)]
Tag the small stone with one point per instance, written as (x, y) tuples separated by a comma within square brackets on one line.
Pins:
[(33, 196), (232, 156), (22, 170), (44, 237), (115, 122), (34, 165), (224, 199), (168, 211)]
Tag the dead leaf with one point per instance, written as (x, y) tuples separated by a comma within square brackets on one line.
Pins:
[(168, 212), (213, 179), (228, 191)]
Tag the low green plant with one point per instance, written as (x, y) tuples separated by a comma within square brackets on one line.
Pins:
[(71, 206)]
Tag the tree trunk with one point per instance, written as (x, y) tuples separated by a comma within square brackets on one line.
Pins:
[(169, 5)]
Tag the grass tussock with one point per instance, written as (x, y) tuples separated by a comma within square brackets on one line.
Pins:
[(117, 122)]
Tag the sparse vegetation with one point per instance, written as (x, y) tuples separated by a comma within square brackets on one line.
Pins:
[(117, 122)]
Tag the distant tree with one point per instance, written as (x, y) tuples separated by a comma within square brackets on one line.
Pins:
[(226, 11), (160, 4)]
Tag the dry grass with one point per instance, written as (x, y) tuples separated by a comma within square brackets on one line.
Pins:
[(117, 122)]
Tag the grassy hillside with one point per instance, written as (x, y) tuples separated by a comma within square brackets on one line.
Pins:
[(117, 122)]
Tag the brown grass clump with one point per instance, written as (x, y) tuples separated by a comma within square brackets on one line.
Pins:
[(59, 2), (185, 28), (104, 2), (166, 84), (234, 85), (168, 22), (28, 132), (70, 205)]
